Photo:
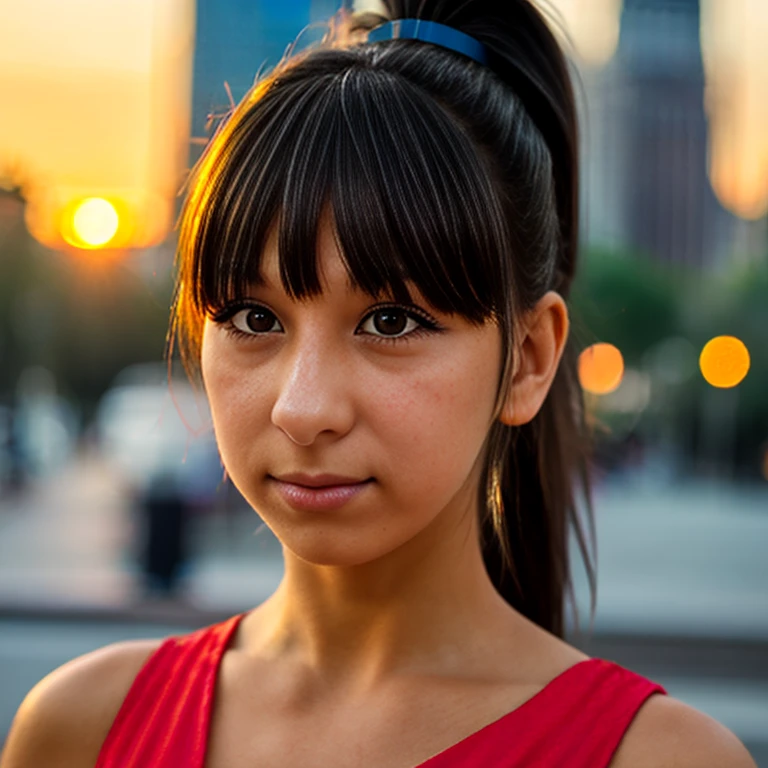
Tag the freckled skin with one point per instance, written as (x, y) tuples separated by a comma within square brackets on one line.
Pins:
[(318, 397), (393, 580)]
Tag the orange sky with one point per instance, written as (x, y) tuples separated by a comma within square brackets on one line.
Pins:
[(100, 96), (96, 97)]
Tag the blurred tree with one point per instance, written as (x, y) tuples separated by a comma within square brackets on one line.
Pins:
[(630, 301), (626, 300), (736, 305), (83, 316)]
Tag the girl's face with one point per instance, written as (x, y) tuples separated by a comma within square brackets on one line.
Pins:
[(393, 403)]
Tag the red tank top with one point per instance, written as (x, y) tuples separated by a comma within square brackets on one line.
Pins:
[(577, 720)]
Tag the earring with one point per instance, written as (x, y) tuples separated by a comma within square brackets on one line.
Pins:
[(495, 500)]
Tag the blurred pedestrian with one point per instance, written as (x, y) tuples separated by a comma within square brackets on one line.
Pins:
[(14, 475), (164, 514)]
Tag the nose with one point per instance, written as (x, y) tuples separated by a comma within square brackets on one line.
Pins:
[(314, 397)]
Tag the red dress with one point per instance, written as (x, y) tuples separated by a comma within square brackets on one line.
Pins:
[(576, 721)]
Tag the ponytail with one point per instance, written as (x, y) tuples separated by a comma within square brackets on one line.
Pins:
[(533, 474)]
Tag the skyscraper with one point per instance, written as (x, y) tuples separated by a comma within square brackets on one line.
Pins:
[(646, 169)]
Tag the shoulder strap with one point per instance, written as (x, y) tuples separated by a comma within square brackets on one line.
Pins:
[(164, 719), (581, 717), (577, 720)]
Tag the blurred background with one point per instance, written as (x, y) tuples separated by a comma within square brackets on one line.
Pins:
[(116, 520)]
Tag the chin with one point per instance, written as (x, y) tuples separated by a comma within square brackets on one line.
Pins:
[(326, 551)]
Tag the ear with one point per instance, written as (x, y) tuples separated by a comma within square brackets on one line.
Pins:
[(540, 345)]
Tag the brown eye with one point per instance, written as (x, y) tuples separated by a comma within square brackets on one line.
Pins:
[(390, 322), (255, 320)]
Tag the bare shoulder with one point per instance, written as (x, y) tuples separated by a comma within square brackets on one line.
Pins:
[(65, 718), (667, 733)]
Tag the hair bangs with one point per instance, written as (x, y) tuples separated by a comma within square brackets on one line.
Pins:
[(411, 200)]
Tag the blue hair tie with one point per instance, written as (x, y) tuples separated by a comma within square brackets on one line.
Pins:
[(431, 32)]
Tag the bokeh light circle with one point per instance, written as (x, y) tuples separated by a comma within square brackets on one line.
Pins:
[(601, 368), (724, 361), (95, 222)]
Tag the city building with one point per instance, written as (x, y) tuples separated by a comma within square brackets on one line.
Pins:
[(645, 142)]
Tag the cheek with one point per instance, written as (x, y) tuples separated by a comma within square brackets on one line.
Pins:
[(236, 397), (434, 423)]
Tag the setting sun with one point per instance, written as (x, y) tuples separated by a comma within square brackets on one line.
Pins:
[(95, 222), (100, 95)]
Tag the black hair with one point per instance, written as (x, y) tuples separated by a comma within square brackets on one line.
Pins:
[(437, 170)]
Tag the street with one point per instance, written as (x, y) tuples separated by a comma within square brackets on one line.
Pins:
[(682, 586)]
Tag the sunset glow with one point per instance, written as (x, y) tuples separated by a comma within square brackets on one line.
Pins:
[(736, 62), (96, 98), (95, 222), (733, 35), (100, 96), (593, 26)]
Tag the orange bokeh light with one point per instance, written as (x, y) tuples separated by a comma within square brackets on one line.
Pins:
[(601, 368), (724, 361)]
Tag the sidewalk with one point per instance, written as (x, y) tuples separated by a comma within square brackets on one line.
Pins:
[(682, 587), (66, 547), (687, 560)]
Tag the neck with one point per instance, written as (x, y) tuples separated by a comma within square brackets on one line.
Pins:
[(425, 608)]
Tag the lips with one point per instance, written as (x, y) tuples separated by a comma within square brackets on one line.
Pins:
[(318, 481), (318, 492)]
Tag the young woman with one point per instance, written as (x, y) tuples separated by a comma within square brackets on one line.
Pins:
[(374, 261)]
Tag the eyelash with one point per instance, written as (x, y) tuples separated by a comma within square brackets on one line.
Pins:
[(427, 324)]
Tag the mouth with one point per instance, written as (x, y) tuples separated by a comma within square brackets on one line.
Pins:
[(319, 481), (318, 492)]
